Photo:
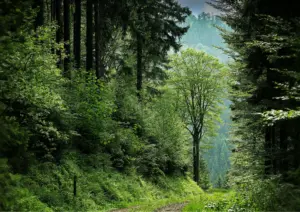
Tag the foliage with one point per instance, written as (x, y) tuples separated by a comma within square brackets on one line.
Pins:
[(204, 175), (99, 188), (91, 104), (199, 95), (167, 135), (31, 103), (193, 75)]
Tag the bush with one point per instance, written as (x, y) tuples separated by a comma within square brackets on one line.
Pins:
[(34, 116)]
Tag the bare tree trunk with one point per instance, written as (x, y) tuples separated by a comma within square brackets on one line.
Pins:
[(102, 40), (139, 55), (77, 34), (39, 20), (196, 158), (59, 32), (97, 39), (139, 68), (53, 10), (67, 38), (268, 147), (89, 35), (284, 165)]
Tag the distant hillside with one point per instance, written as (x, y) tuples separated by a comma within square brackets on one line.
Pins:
[(203, 35)]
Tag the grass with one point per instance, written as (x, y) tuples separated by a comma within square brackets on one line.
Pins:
[(212, 200), (101, 189)]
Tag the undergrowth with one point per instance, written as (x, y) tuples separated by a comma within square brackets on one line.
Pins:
[(50, 187)]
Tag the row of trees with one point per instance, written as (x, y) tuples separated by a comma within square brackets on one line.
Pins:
[(145, 24), (43, 113), (90, 77), (264, 44)]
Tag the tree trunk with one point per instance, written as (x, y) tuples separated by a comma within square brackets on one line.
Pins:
[(296, 145), (139, 68), (53, 10), (59, 32), (97, 39), (139, 59), (77, 34), (196, 158), (39, 20), (89, 35), (268, 155), (274, 150), (102, 40), (67, 38), (283, 167)]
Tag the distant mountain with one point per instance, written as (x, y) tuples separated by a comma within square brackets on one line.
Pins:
[(196, 6), (202, 35), (199, 6)]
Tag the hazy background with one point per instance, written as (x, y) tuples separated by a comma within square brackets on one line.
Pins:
[(198, 6), (203, 36)]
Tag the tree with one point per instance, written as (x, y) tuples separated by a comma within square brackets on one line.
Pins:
[(77, 33), (155, 27), (264, 42), (199, 80), (59, 32), (67, 38), (100, 36), (39, 5), (89, 35)]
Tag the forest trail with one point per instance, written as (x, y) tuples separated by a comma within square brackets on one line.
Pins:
[(177, 207), (173, 207)]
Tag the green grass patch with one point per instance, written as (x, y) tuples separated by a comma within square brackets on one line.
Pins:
[(215, 200), (102, 189)]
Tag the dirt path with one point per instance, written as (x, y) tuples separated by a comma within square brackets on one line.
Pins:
[(172, 207), (135, 208), (176, 207)]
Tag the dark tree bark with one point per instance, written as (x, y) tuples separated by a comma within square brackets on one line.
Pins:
[(77, 33), (89, 35), (284, 165), (99, 38), (102, 44), (139, 59), (196, 158), (39, 20), (59, 32), (274, 150), (67, 38), (268, 154), (139, 66), (53, 10)]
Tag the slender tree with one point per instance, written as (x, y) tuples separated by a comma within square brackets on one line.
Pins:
[(59, 32), (156, 29), (100, 39), (77, 33), (139, 58), (97, 38), (199, 81), (67, 37), (89, 35), (39, 5), (53, 10)]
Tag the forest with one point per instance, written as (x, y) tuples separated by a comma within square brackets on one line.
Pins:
[(131, 105)]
